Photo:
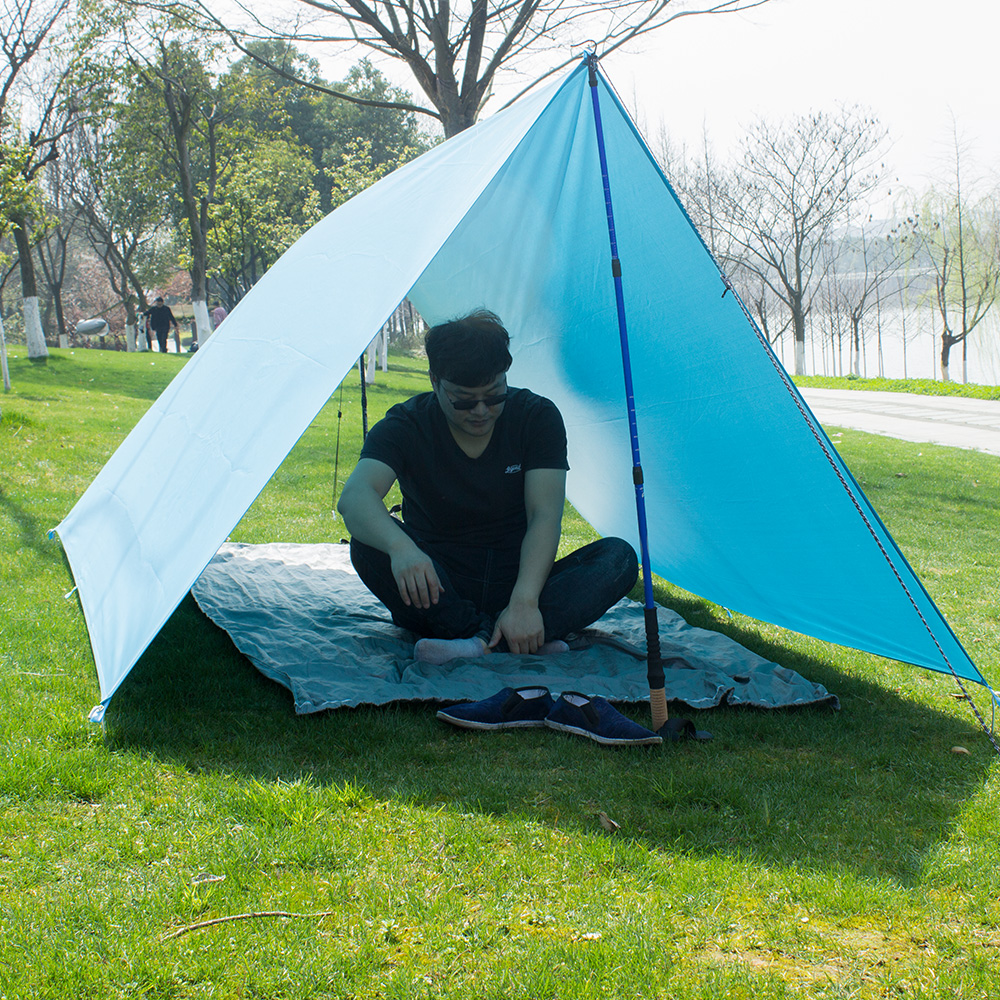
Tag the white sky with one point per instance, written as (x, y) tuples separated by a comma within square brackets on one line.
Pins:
[(913, 62)]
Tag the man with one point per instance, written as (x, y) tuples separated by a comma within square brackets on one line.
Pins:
[(482, 469), (219, 313), (160, 320)]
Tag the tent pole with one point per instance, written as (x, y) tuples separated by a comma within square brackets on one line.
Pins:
[(654, 661)]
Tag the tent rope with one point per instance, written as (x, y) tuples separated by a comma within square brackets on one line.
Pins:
[(336, 454), (821, 440)]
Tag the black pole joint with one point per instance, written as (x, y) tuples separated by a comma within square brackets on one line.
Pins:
[(654, 659), (637, 475), (616, 267)]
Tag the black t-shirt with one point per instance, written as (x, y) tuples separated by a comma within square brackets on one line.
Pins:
[(160, 318), (449, 497)]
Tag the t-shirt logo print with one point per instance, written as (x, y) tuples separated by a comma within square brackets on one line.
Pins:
[(512, 469)]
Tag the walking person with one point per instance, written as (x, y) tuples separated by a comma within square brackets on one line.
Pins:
[(160, 319)]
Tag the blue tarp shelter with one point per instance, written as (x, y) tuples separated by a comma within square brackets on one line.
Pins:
[(748, 503)]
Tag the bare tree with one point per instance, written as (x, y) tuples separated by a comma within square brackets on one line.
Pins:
[(961, 241), (795, 183), (454, 51), (53, 246), (860, 274), (123, 202)]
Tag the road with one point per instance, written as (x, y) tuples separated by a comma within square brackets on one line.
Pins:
[(949, 420)]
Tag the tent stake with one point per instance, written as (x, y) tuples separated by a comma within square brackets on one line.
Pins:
[(654, 661)]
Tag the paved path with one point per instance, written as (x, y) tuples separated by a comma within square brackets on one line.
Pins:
[(950, 420)]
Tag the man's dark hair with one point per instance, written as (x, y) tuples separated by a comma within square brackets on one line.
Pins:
[(470, 351)]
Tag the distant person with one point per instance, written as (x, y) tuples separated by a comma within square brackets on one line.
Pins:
[(160, 319), (218, 315), (145, 334)]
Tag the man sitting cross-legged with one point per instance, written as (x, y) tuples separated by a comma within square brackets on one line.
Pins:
[(482, 470)]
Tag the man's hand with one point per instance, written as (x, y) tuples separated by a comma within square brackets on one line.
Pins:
[(522, 626), (415, 576)]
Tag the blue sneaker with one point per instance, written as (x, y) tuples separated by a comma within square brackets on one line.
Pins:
[(598, 721), (520, 708)]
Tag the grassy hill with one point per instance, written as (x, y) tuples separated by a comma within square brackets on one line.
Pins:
[(803, 853)]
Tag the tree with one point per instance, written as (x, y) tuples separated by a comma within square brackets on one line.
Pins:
[(123, 201), (454, 52), (27, 25), (265, 204), (53, 246), (858, 276), (197, 121), (794, 185), (960, 237), (329, 127)]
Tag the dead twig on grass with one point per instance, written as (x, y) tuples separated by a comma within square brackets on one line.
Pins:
[(243, 916)]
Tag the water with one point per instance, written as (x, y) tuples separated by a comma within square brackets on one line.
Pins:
[(882, 334)]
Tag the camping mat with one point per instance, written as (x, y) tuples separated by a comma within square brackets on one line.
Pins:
[(302, 616)]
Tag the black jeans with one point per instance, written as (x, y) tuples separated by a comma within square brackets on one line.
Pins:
[(478, 584)]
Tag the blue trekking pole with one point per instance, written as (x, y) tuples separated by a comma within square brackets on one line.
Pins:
[(654, 661)]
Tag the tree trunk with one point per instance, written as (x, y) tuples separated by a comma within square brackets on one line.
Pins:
[(60, 318), (800, 342), (3, 357), (946, 341), (202, 323), (33, 332), (855, 346)]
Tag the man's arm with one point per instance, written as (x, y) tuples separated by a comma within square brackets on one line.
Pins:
[(369, 522), (520, 623)]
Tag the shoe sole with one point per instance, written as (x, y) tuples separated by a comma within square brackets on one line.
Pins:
[(469, 724), (607, 741)]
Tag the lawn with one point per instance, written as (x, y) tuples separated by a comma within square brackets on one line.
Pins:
[(805, 853), (920, 386)]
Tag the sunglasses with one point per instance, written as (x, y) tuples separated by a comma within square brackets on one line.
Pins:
[(471, 404)]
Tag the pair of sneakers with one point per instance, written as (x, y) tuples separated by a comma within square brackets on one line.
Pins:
[(572, 712)]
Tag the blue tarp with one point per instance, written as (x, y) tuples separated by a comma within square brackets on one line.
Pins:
[(748, 503), (300, 614)]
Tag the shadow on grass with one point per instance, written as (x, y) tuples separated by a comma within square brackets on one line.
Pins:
[(870, 789), (32, 536)]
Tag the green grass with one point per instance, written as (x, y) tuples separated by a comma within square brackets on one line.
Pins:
[(921, 386), (801, 854)]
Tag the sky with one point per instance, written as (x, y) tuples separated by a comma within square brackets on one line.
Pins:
[(916, 64)]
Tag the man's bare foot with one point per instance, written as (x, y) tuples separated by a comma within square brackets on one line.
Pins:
[(444, 650), (553, 646)]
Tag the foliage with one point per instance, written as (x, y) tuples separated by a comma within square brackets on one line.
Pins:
[(960, 237), (262, 207), (20, 196), (332, 128)]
